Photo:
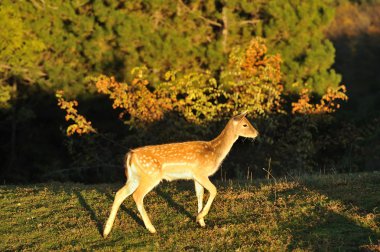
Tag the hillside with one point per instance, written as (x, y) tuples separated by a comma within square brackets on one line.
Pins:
[(335, 212)]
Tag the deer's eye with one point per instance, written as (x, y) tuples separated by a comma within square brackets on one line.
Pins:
[(245, 125)]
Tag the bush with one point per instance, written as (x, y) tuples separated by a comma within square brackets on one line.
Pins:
[(187, 106)]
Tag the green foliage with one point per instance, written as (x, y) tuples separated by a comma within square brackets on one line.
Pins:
[(196, 97), (295, 29), (250, 82), (69, 40), (20, 53), (199, 45), (5, 95), (252, 78), (78, 38), (20, 47)]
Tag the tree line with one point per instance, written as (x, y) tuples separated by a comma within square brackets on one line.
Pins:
[(156, 52)]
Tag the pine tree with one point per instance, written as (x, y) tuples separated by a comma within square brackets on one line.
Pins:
[(19, 53), (295, 29)]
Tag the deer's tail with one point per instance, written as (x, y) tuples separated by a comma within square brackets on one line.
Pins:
[(130, 166)]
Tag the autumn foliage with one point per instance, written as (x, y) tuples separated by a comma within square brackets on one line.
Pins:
[(251, 81), (136, 99), (253, 78), (80, 124), (329, 102)]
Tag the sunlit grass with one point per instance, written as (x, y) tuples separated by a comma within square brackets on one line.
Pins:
[(328, 213)]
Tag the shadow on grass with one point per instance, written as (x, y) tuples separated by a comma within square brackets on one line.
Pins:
[(320, 228), (165, 196), (173, 204), (359, 190), (90, 211), (332, 232), (132, 214)]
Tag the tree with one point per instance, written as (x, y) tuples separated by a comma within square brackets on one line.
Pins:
[(295, 29), (20, 56)]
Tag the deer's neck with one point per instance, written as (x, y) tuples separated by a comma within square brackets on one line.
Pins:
[(223, 143)]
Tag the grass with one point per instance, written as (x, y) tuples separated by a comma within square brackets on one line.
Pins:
[(319, 213)]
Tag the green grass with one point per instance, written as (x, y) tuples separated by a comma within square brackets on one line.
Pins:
[(320, 213)]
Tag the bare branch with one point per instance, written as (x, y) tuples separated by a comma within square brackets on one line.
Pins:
[(252, 21), (209, 21)]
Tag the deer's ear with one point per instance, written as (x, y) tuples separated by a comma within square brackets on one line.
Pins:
[(240, 116)]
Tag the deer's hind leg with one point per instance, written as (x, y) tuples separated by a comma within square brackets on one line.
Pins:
[(146, 185), (120, 196)]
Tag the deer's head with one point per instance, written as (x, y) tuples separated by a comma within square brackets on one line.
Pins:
[(243, 127)]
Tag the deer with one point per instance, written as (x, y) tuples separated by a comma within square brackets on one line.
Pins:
[(146, 167)]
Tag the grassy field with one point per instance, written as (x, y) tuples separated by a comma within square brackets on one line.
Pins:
[(328, 213)]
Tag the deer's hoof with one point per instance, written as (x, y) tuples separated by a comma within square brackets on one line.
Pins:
[(202, 222), (152, 230), (106, 232)]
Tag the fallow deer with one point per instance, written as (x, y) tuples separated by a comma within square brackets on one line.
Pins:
[(146, 167)]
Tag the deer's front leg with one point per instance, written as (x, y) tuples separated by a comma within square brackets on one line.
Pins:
[(199, 190), (206, 183)]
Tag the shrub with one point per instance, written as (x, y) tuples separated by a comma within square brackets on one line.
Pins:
[(251, 81)]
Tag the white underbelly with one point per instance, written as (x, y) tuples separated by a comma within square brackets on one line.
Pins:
[(174, 171)]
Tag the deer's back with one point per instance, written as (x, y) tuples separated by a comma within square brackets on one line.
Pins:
[(175, 160)]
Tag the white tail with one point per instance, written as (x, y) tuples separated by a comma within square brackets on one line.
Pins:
[(145, 167)]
